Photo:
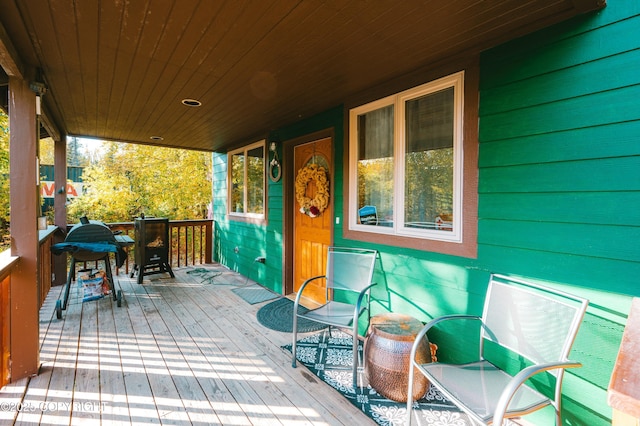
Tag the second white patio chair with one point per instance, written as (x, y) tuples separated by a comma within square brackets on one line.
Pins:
[(537, 325), (348, 283)]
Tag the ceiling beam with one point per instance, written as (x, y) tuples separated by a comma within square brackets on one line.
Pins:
[(9, 59), (49, 125), (584, 6)]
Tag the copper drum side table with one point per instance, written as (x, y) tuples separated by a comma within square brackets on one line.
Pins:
[(387, 348)]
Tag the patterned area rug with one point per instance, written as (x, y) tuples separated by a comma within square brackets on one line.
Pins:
[(329, 357)]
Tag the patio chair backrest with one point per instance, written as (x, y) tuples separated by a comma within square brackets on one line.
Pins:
[(536, 322), (350, 269)]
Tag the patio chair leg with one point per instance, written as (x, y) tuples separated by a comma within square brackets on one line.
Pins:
[(295, 339), (355, 356), (72, 273), (409, 395)]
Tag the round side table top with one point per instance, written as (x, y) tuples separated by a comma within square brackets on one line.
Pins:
[(398, 327)]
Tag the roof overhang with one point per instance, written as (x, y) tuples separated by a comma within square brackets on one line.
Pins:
[(119, 70)]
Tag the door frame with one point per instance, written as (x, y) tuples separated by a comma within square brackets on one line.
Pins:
[(288, 197)]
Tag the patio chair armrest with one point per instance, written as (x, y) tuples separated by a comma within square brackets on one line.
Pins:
[(363, 292), (431, 324), (519, 379), (302, 287)]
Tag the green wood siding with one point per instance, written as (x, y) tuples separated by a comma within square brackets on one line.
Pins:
[(560, 150), (263, 240), (559, 177), (559, 194)]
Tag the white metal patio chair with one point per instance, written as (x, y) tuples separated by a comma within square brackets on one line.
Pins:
[(536, 323), (348, 276)]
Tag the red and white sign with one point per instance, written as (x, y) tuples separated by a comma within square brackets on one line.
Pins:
[(48, 189)]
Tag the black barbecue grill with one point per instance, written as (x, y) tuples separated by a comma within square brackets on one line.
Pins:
[(152, 247), (90, 241)]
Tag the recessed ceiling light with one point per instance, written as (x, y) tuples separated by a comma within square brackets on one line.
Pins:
[(156, 138), (191, 102)]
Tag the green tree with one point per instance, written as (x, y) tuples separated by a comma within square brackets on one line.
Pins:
[(75, 156), (131, 179), (429, 184), (46, 152)]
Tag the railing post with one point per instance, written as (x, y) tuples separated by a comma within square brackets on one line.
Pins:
[(209, 242), (24, 323), (193, 246), (179, 244), (59, 208)]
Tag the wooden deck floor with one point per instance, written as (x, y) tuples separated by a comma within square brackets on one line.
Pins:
[(178, 351)]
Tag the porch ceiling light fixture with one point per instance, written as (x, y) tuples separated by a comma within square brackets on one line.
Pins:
[(191, 102), (156, 138), (38, 86)]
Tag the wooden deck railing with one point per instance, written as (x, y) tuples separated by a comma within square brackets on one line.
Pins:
[(127, 229), (191, 241), (45, 267), (7, 264)]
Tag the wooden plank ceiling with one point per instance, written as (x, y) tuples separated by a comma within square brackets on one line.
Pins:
[(118, 70)]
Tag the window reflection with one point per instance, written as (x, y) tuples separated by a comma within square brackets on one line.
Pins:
[(375, 163), (247, 177), (429, 160)]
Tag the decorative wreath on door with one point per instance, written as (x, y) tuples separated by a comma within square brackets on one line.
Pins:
[(312, 207)]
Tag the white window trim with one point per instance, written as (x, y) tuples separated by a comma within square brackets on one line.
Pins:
[(398, 101), (230, 211)]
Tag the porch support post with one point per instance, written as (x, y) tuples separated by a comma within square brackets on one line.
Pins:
[(25, 355), (59, 205)]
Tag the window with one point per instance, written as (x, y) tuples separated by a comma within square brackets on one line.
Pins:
[(406, 163), (247, 181)]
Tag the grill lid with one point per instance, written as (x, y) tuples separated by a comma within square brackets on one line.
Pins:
[(89, 241), (91, 232)]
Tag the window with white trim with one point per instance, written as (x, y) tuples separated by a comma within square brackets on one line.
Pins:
[(405, 154), (247, 181)]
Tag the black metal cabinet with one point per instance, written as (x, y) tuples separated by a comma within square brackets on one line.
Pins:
[(152, 247)]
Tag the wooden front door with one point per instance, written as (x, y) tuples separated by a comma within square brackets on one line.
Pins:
[(312, 235)]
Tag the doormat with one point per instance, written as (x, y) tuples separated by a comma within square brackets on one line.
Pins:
[(255, 293), (278, 315), (329, 357)]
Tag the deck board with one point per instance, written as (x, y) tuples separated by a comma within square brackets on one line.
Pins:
[(243, 368), (61, 362), (139, 397), (113, 396), (178, 352), (50, 333), (253, 370)]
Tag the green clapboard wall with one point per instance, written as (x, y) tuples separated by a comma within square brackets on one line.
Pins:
[(252, 240), (559, 177), (559, 195)]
